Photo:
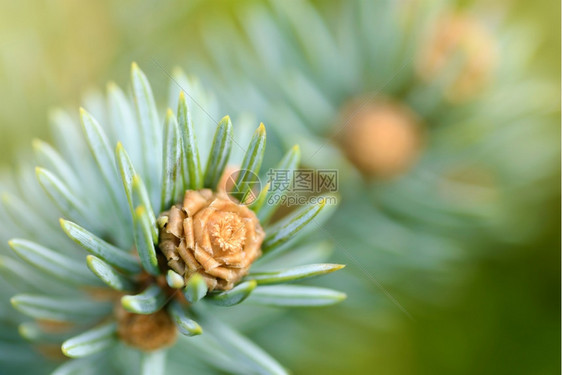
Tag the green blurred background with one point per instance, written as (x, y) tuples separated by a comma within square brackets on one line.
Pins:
[(503, 318)]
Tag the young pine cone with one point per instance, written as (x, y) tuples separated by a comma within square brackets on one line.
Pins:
[(453, 35), (211, 235), (381, 138)]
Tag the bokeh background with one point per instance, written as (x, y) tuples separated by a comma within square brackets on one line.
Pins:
[(501, 314)]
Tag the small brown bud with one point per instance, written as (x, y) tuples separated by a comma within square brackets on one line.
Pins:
[(146, 332), (452, 35), (382, 139), (211, 234)]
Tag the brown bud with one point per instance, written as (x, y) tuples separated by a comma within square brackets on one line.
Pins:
[(146, 332), (210, 234), (455, 34), (381, 138)]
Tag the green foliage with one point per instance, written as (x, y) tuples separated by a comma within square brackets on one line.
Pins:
[(293, 274), (147, 302), (144, 240), (290, 226), (171, 168), (295, 296), (91, 341), (251, 165), (186, 326), (192, 175), (222, 142), (60, 309), (233, 296), (109, 275), (96, 246), (195, 289), (51, 262), (104, 219)]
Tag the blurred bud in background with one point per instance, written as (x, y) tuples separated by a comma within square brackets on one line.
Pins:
[(382, 139), (459, 36)]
